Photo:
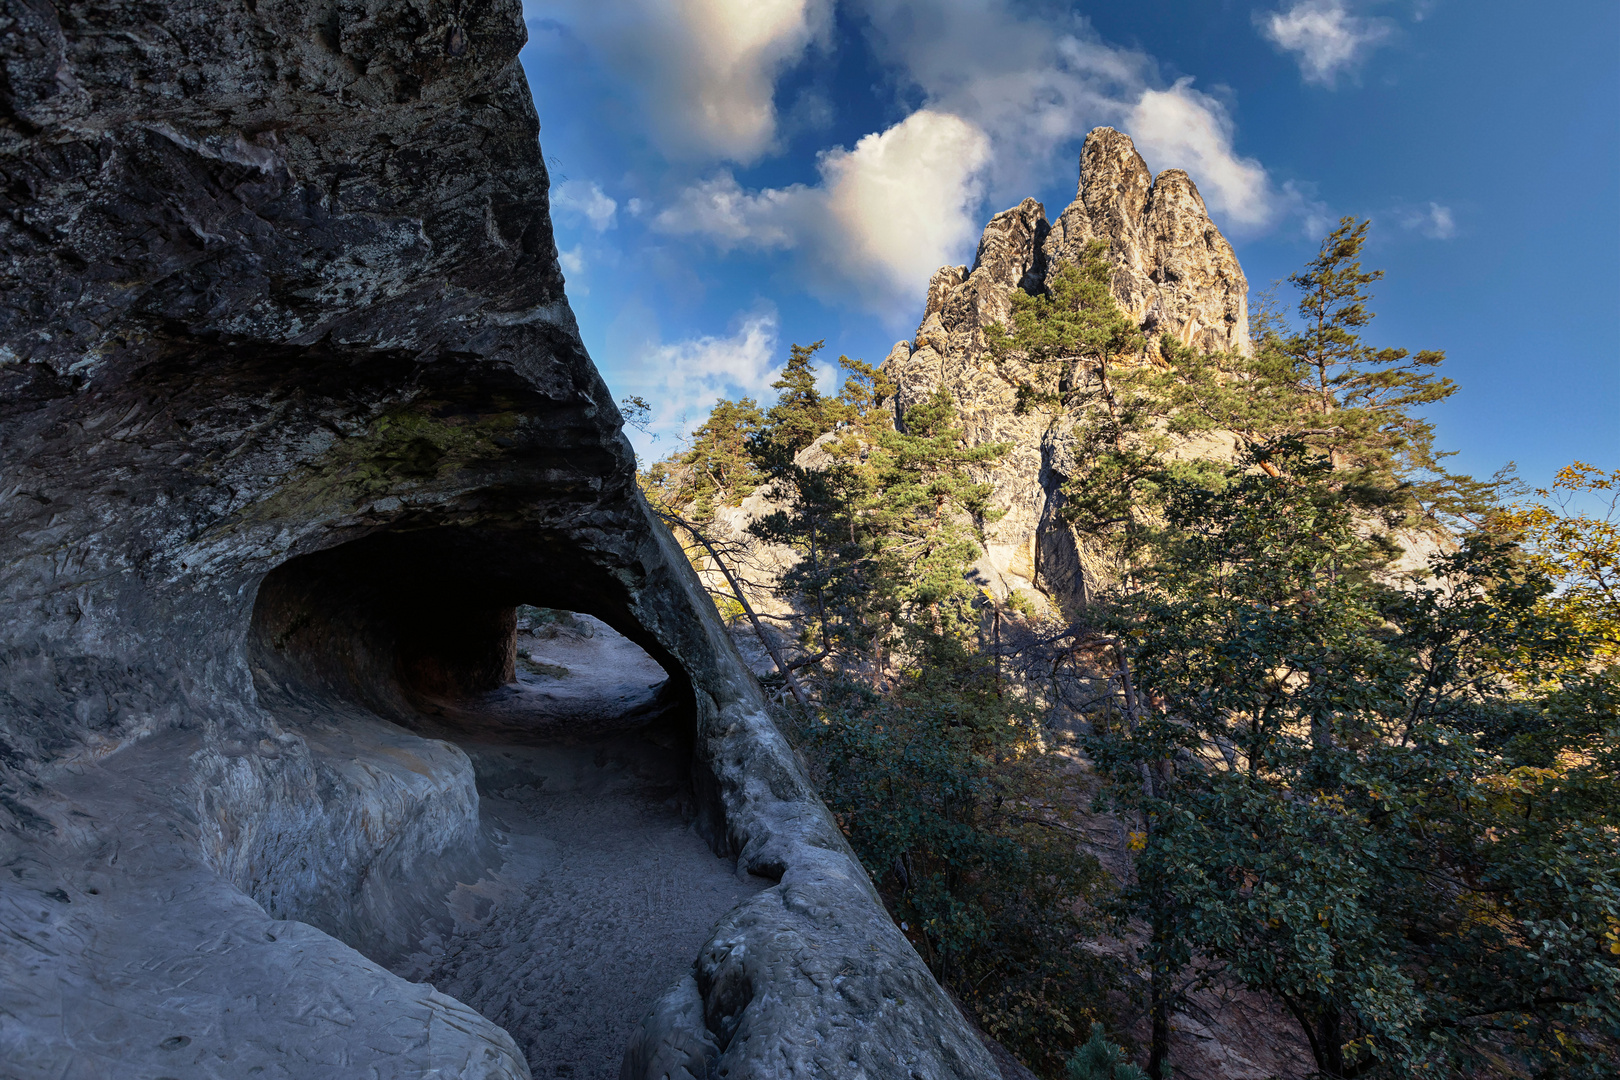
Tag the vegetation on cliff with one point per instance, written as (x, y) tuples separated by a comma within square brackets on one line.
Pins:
[(1382, 796)]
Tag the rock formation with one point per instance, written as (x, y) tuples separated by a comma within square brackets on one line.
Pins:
[(293, 412), (1173, 272)]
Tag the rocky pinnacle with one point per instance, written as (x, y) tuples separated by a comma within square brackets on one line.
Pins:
[(1174, 273)]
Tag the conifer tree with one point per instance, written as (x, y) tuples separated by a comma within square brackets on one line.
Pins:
[(887, 524), (1364, 398), (718, 468), (1085, 355), (801, 413), (1072, 332), (1099, 1059)]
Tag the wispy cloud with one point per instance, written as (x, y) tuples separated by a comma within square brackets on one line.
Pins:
[(1434, 221), (703, 71), (1005, 96), (587, 201), (720, 211), (682, 380), (1326, 38), (1310, 213), (1186, 129), (1037, 84)]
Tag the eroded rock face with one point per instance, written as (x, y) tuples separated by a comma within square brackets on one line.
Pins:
[(279, 303), (1173, 272)]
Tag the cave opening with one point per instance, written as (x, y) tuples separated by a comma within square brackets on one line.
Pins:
[(596, 888), (422, 627)]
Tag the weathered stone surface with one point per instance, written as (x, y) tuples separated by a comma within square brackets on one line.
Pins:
[(288, 379), (1173, 272)]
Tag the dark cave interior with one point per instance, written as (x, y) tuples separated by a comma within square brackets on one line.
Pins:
[(579, 731)]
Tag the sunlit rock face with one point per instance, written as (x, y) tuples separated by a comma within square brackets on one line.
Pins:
[(1174, 273), (293, 414)]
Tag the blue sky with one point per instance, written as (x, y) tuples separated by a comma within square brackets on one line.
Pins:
[(731, 176)]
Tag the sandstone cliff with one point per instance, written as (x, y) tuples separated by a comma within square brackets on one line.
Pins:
[(293, 411), (1173, 272)]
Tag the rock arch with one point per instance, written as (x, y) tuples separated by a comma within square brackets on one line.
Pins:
[(280, 292)]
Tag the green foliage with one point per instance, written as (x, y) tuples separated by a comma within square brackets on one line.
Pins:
[(1578, 551), (1019, 600), (888, 526), (1100, 1059), (1388, 803), (1363, 399), (719, 466), (944, 789), (1056, 335), (1342, 798), (940, 782), (637, 412), (801, 413), (1075, 348)]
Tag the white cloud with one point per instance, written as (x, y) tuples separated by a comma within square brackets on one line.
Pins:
[(884, 217), (572, 260), (719, 210), (1038, 86), (703, 71), (1185, 129), (587, 201), (904, 202), (1035, 85), (1325, 38), (1312, 214), (682, 380), (1007, 95), (1434, 221)]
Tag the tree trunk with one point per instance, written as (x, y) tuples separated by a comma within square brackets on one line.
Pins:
[(1159, 990), (1330, 1040), (748, 609)]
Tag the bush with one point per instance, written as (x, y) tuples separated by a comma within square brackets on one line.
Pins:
[(943, 792), (1100, 1059)]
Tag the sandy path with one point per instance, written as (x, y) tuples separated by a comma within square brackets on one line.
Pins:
[(604, 896)]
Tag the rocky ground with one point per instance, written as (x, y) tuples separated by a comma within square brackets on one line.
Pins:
[(604, 896)]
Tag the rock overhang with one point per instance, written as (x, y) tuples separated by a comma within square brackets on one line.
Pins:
[(281, 291)]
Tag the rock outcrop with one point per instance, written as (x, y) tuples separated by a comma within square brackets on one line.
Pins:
[(1173, 272), (293, 411)]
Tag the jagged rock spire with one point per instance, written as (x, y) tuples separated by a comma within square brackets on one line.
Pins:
[(1173, 272)]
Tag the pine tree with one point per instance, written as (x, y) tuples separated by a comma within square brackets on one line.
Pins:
[(887, 525), (801, 413), (1363, 399), (718, 468), (1099, 1059), (1074, 349), (1072, 333)]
